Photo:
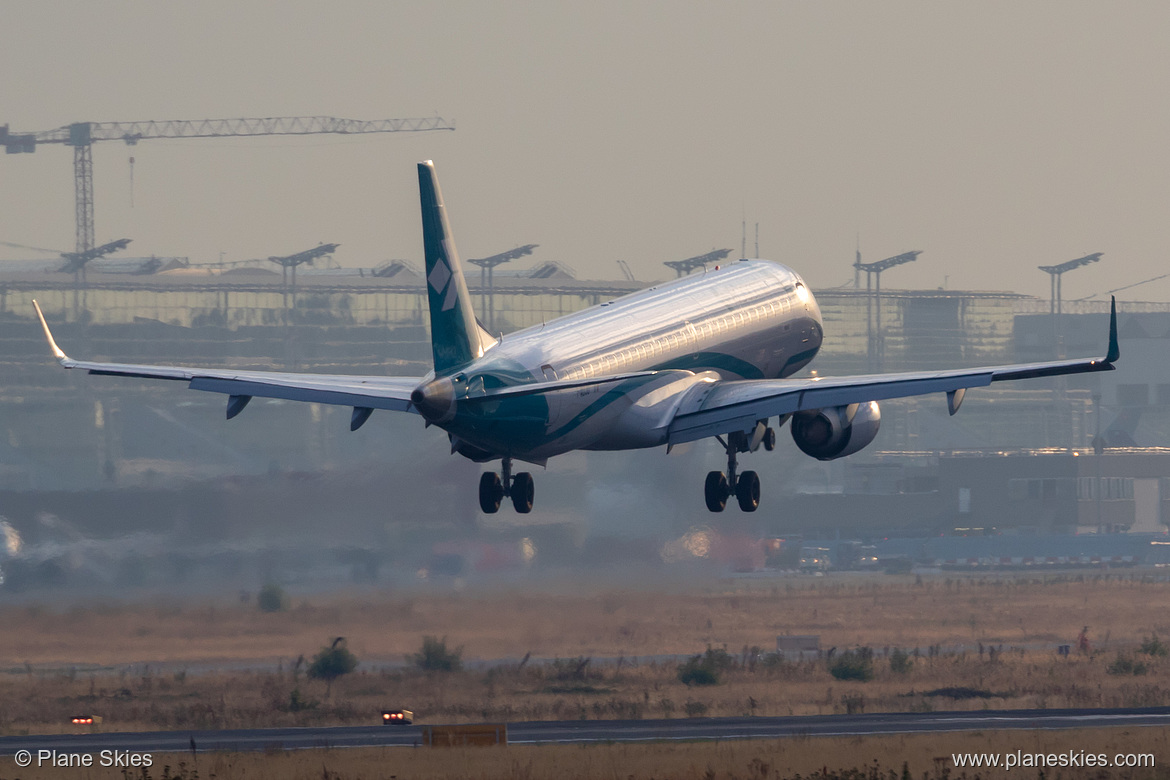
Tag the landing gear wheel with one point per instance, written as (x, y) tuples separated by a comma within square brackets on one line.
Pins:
[(523, 491), (770, 439), (491, 492), (747, 491), (716, 491)]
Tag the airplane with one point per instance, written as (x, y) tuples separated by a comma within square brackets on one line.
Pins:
[(707, 355)]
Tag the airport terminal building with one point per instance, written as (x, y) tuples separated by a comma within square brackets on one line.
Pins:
[(1018, 456)]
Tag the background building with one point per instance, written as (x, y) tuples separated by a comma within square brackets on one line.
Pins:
[(67, 432)]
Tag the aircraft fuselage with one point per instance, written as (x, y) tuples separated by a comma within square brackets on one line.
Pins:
[(750, 319)]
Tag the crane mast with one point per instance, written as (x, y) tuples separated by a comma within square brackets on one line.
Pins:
[(82, 135)]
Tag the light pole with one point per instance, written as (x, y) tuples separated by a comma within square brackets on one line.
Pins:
[(487, 302), (875, 341)]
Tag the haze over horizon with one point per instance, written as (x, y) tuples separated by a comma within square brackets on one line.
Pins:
[(995, 137)]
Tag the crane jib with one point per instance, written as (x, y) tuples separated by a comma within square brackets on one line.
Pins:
[(82, 135)]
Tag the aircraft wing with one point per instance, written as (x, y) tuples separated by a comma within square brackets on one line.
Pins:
[(722, 407), (360, 392)]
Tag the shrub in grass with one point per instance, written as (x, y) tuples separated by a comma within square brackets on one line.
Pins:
[(272, 598), (773, 662), (695, 672), (718, 658), (853, 665), (1153, 646), (705, 669), (332, 662), (435, 656), (900, 661), (1124, 665), (297, 702), (571, 668)]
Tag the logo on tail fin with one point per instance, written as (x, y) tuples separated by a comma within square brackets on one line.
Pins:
[(440, 279)]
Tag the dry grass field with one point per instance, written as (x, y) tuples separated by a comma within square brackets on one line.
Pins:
[(877, 611), (170, 665), (829, 758)]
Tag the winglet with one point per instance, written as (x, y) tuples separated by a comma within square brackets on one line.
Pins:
[(62, 358), (1114, 350)]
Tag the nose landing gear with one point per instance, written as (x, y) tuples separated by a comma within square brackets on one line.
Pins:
[(746, 486), (493, 488)]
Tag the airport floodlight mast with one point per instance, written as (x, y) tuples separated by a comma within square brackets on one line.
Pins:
[(1056, 304), (75, 262), (300, 258), (1055, 272), (82, 135), (487, 305), (684, 267), (288, 269), (875, 341)]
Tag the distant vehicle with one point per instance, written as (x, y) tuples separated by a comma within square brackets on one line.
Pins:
[(397, 717), (706, 355), (814, 559), (855, 555)]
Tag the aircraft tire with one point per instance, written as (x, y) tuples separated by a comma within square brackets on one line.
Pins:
[(715, 491), (491, 492), (770, 438), (523, 492), (747, 491)]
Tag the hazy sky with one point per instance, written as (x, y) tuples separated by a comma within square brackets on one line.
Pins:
[(994, 136)]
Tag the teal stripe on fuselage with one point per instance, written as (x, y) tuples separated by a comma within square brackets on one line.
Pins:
[(713, 361)]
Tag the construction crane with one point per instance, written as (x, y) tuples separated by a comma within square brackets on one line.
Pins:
[(82, 135)]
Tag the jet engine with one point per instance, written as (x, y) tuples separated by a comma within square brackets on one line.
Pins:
[(828, 434)]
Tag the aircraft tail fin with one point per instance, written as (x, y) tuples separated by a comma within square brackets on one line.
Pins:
[(456, 336)]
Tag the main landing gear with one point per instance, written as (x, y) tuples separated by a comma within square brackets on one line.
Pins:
[(746, 486), (494, 487)]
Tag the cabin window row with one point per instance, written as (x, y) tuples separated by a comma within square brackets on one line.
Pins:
[(695, 333)]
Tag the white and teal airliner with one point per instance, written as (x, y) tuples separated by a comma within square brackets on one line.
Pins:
[(707, 355)]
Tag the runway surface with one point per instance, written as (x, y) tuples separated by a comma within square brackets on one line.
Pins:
[(553, 732)]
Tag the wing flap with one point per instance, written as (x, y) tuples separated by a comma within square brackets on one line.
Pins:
[(732, 406), (297, 387)]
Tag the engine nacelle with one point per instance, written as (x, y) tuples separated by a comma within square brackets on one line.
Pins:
[(828, 434)]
